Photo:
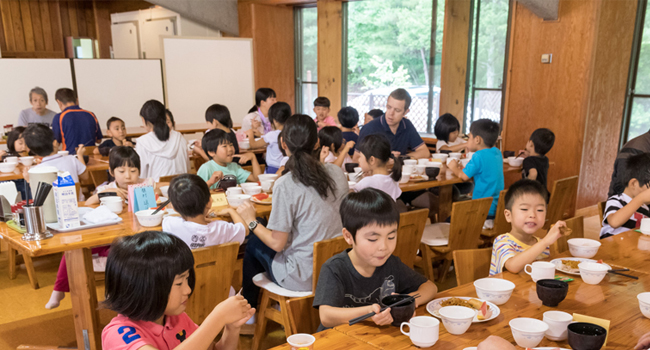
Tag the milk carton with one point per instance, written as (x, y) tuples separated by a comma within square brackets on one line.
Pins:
[(65, 199)]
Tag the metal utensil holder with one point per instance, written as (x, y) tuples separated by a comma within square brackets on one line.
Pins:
[(35, 224)]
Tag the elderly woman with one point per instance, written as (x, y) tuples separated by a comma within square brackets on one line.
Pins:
[(38, 113)]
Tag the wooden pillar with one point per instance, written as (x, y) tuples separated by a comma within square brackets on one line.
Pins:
[(102, 28), (453, 66), (330, 31)]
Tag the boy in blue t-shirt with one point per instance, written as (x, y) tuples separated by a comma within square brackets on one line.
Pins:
[(486, 165)]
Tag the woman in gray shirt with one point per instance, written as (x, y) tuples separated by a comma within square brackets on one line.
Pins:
[(38, 114)]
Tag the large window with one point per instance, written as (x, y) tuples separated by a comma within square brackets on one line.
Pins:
[(387, 44), (306, 38), (637, 118), (487, 60)]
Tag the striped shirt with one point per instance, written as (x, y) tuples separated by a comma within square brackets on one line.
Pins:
[(615, 203), (505, 247)]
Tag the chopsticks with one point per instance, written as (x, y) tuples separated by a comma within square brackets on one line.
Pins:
[(622, 274), (42, 190), (162, 205), (368, 315)]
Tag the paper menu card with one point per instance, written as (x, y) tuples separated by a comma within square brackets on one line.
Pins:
[(598, 321), (141, 197), (219, 200)]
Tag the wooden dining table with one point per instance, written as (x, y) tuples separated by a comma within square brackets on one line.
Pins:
[(613, 299), (95, 163), (187, 128)]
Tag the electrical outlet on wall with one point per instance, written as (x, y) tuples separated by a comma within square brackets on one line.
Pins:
[(547, 58)]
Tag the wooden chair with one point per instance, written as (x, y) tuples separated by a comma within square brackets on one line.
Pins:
[(272, 292), (472, 264), (601, 211), (302, 316), (563, 191), (576, 224), (213, 268), (467, 219), (167, 178), (501, 225), (409, 235)]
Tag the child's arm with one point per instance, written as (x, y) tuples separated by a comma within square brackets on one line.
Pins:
[(247, 209), (420, 152), (331, 316), (621, 216), (427, 291), (453, 166), (532, 174), (275, 240), (343, 153), (456, 148), (85, 176), (256, 166), (255, 143), (216, 176), (230, 338), (198, 150), (519, 261), (96, 150), (280, 170)]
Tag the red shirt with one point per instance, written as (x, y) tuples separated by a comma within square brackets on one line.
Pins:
[(125, 333)]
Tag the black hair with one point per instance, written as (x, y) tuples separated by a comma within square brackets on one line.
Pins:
[(637, 167), (280, 138), (348, 117), (402, 95), (522, 187), (112, 120), (331, 135), (375, 113), (39, 139), (140, 272), (123, 156), (154, 113), (14, 136), (279, 112), (169, 114), (299, 134), (367, 207), (219, 113), (543, 140), (262, 94), (378, 146), (445, 125), (189, 194), (211, 140), (39, 91), (65, 95), (487, 130), (322, 101)]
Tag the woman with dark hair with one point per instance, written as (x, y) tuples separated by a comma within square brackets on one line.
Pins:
[(257, 117), (162, 151)]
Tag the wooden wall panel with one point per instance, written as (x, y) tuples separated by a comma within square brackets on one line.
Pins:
[(37, 25), (103, 28), (16, 21), (48, 39), (245, 16), (330, 31), (28, 27), (57, 32)]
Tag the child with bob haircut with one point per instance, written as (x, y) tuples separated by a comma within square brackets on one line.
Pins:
[(332, 148), (322, 110), (116, 130), (218, 146), (278, 115), (349, 119), (190, 197), (535, 166), (447, 129), (149, 277), (526, 212), (375, 153), (372, 115), (352, 283), (624, 211), (15, 144)]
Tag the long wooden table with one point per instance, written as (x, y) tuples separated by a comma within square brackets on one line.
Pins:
[(189, 128), (613, 299), (95, 163)]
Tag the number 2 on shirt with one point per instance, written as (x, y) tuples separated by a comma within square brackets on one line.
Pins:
[(129, 336)]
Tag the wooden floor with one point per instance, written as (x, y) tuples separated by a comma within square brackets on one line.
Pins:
[(24, 319)]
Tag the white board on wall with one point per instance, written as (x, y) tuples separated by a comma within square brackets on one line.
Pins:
[(118, 87), (200, 72), (18, 76)]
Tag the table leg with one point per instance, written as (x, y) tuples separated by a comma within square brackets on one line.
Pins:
[(83, 295), (12, 262), (444, 202), (29, 266)]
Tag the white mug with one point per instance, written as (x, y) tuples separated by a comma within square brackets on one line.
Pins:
[(557, 322), (114, 204), (234, 190), (27, 161), (11, 160), (540, 270), (645, 226), (408, 169), (423, 332)]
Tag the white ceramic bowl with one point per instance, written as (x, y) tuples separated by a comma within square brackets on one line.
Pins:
[(7, 167), (455, 155), (423, 161), (528, 332), (592, 273), (357, 169), (147, 220), (13, 160), (244, 144), (420, 168), (236, 199), (464, 161), (513, 161), (267, 185), (410, 162), (27, 161), (165, 191), (252, 190), (469, 155), (644, 303), (495, 290), (266, 177), (442, 156), (248, 184), (450, 159), (63, 153), (583, 247), (405, 177), (457, 319), (435, 164)]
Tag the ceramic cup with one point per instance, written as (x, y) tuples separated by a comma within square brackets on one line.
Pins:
[(114, 204), (27, 161), (540, 270), (13, 160), (408, 169), (301, 341), (557, 322), (267, 185), (645, 226), (234, 190), (423, 330)]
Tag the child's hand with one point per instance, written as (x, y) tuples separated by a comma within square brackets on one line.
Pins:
[(324, 152), (356, 129), (26, 173), (233, 309), (554, 233), (251, 134), (349, 145), (129, 143), (246, 157), (247, 211), (396, 154), (238, 324), (381, 318), (81, 150), (216, 176), (256, 123), (453, 165)]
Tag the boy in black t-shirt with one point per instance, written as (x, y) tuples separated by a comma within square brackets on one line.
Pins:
[(349, 119), (117, 132), (352, 283), (535, 166)]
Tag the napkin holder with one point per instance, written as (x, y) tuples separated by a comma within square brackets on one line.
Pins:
[(5, 207)]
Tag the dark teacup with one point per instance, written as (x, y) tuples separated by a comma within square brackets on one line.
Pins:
[(400, 313), (507, 154), (551, 292), (227, 182), (432, 172), (586, 336), (349, 167)]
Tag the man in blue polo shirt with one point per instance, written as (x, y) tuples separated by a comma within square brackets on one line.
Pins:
[(74, 126), (404, 139)]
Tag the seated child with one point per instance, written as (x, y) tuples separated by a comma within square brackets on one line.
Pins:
[(322, 110), (278, 115), (535, 166), (447, 129), (486, 166), (349, 119), (190, 197), (116, 130), (624, 211), (372, 115), (170, 119), (353, 282), (217, 117), (526, 212), (16, 148), (375, 153), (332, 148), (218, 146), (149, 277)]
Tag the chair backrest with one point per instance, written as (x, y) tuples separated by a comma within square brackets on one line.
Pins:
[(324, 250), (577, 225), (467, 219), (167, 178), (471, 264), (409, 235), (303, 318), (563, 191), (501, 225), (214, 267), (601, 211)]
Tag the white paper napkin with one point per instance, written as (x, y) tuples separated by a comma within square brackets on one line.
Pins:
[(100, 215)]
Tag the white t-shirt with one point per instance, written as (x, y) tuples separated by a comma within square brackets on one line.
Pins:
[(381, 182), (331, 158), (273, 154), (150, 182), (199, 236), (284, 161), (440, 143), (67, 163), (247, 122)]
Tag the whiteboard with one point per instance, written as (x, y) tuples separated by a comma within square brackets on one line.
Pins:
[(118, 87), (200, 72), (18, 76)]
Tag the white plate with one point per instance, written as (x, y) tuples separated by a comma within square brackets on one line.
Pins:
[(82, 211), (254, 200), (495, 309), (560, 267)]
